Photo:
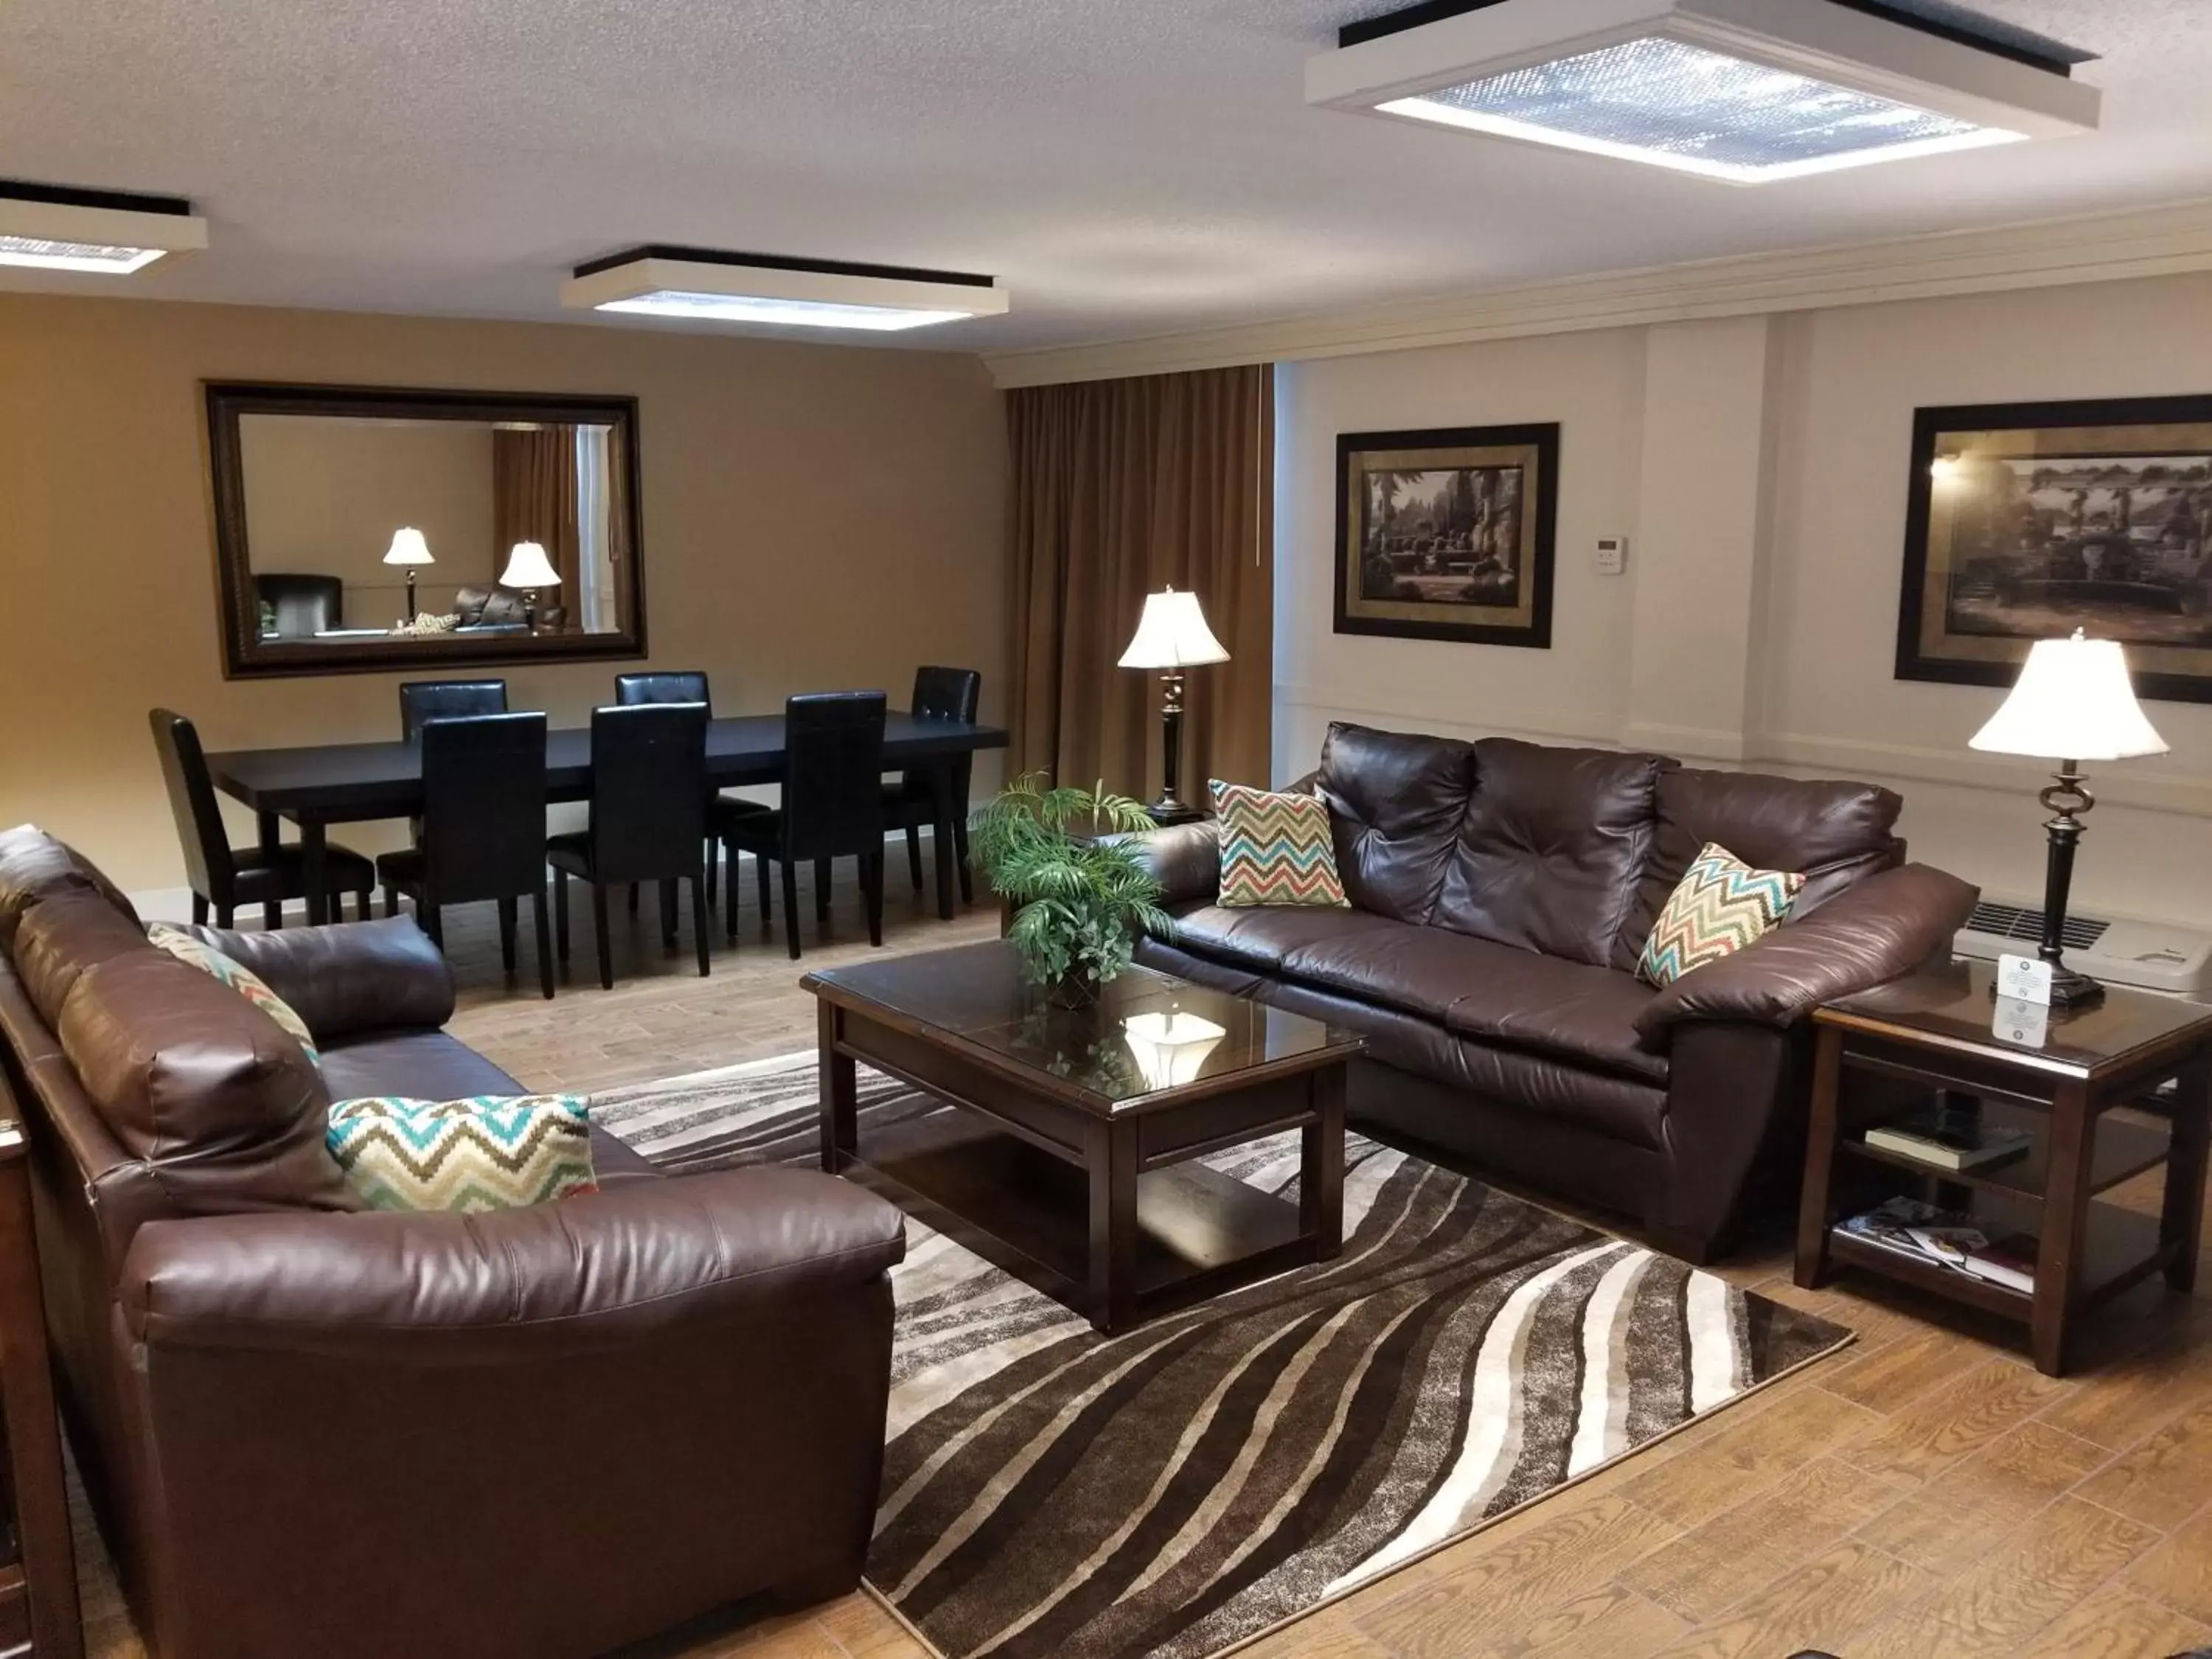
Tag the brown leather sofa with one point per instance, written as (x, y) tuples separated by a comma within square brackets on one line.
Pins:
[(1501, 892), (312, 1430)]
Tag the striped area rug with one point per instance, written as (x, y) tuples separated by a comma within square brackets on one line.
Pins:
[(1187, 1486)]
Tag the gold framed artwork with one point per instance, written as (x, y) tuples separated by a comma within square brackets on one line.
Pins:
[(2026, 521), (1446, 534)]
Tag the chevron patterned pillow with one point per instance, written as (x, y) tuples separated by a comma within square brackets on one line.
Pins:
[(488, 1152), (1720, 905), (187, 947), (1275, 849)]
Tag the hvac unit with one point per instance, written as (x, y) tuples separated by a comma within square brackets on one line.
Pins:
[(2160, 957)]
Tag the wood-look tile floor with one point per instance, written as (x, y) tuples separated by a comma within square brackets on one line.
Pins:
[(1924, 1494)]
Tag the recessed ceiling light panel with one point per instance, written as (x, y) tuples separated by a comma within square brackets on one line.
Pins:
[(736, 288), (99, 232), (1746, 91)]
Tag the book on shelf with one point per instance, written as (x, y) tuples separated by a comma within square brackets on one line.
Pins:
[(1952, 1139), (1948, 1239)]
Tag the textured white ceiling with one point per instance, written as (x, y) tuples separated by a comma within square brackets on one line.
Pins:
[(1128, 166)]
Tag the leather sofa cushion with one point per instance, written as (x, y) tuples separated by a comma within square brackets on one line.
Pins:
[(1551, 847), (195, 1082), (64, 937), (1259, 938), (1395, 804), (1625, 1108), (1493, 993), (1831, 833), (34, 866)]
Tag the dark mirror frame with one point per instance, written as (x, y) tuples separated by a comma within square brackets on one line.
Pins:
[(246, 655)]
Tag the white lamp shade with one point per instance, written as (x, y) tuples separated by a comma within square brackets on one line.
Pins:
[(528, 566), (1172, 634), (1170, 1048), (408, 547), (2073, 701)]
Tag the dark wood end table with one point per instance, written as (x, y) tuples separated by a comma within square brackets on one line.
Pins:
[(1071, 1156), (38, 1576), (1883, 1051)]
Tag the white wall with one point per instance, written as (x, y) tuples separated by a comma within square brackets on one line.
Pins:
[(1759, 465)]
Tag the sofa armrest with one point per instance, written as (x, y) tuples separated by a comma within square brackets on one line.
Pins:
[(351, 975), (1185, 859), (430, 1288), (1878, 929)]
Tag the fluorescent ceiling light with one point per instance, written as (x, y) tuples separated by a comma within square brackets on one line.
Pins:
[(1745, 91), (742, 287), (100, 232)]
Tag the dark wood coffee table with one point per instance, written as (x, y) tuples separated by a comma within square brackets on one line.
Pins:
[(1072, 1158)]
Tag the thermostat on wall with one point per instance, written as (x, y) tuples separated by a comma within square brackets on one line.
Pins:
[(1612, 555)]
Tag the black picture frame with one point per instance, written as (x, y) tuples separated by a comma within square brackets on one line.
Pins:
[(1423, 565), (2024, 520), (248, 655)]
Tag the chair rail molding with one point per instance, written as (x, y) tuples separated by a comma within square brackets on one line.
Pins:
[(2107, 247)]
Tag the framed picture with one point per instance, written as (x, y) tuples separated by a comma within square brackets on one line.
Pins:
[(2029, 520), (1446, 535)]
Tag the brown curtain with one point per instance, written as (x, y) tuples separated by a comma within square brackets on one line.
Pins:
[(533, 493), (1121, 488)]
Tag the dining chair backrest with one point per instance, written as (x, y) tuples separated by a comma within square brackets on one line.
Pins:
[(676, 685), (649, 790), (208, 863), (946, 694), (832, 774), (483, 807), (423, 700)]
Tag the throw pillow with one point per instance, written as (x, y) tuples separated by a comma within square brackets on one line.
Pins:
[(488, 1152), (186, 947), (1720, 905), (1275, 849)]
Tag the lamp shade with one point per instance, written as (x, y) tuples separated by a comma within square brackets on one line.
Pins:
[(528, 566), (2073, 700), (1172, 634), (408, 547)]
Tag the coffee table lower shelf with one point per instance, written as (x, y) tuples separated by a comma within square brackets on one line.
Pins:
[(1199, 1231)]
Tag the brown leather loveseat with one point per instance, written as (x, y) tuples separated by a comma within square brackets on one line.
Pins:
[(310, 1430), (1501, 893)]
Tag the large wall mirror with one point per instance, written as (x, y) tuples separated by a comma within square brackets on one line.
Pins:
[(359, 529)]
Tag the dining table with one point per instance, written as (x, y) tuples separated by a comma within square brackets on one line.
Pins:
[(322, 784)]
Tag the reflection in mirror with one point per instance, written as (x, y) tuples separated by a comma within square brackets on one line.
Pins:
[(373, 530)]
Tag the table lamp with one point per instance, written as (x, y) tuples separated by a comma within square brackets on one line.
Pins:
[(529, 569), (1172, 636), (2072, 703), (408, 548)]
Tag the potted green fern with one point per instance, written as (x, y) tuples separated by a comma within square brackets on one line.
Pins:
[(1080, 900)]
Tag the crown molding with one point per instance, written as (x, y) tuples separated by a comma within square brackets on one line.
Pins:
[(2096, 247)]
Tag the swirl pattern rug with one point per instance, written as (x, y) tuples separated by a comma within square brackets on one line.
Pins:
[(1187, 1485)]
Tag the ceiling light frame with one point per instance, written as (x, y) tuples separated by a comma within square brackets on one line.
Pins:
[(774, 291), (111, 232), (1832, 44)]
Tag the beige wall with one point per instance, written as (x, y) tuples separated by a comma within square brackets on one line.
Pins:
[(323, 497), (815, 517), (1759, 466)]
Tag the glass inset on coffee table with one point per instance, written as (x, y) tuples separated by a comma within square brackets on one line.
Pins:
[(1071, 1156)]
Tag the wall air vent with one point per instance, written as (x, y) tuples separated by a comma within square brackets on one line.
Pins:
[(2144, 956)]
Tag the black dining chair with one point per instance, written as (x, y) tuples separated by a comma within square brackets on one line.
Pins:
[(832, 808), (670, 685), (648, 820), (423, 700), (939, 694), (483, 829), (223, 877)]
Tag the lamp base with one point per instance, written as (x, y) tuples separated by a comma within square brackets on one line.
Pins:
[(1167, 809), (2071, 990)]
